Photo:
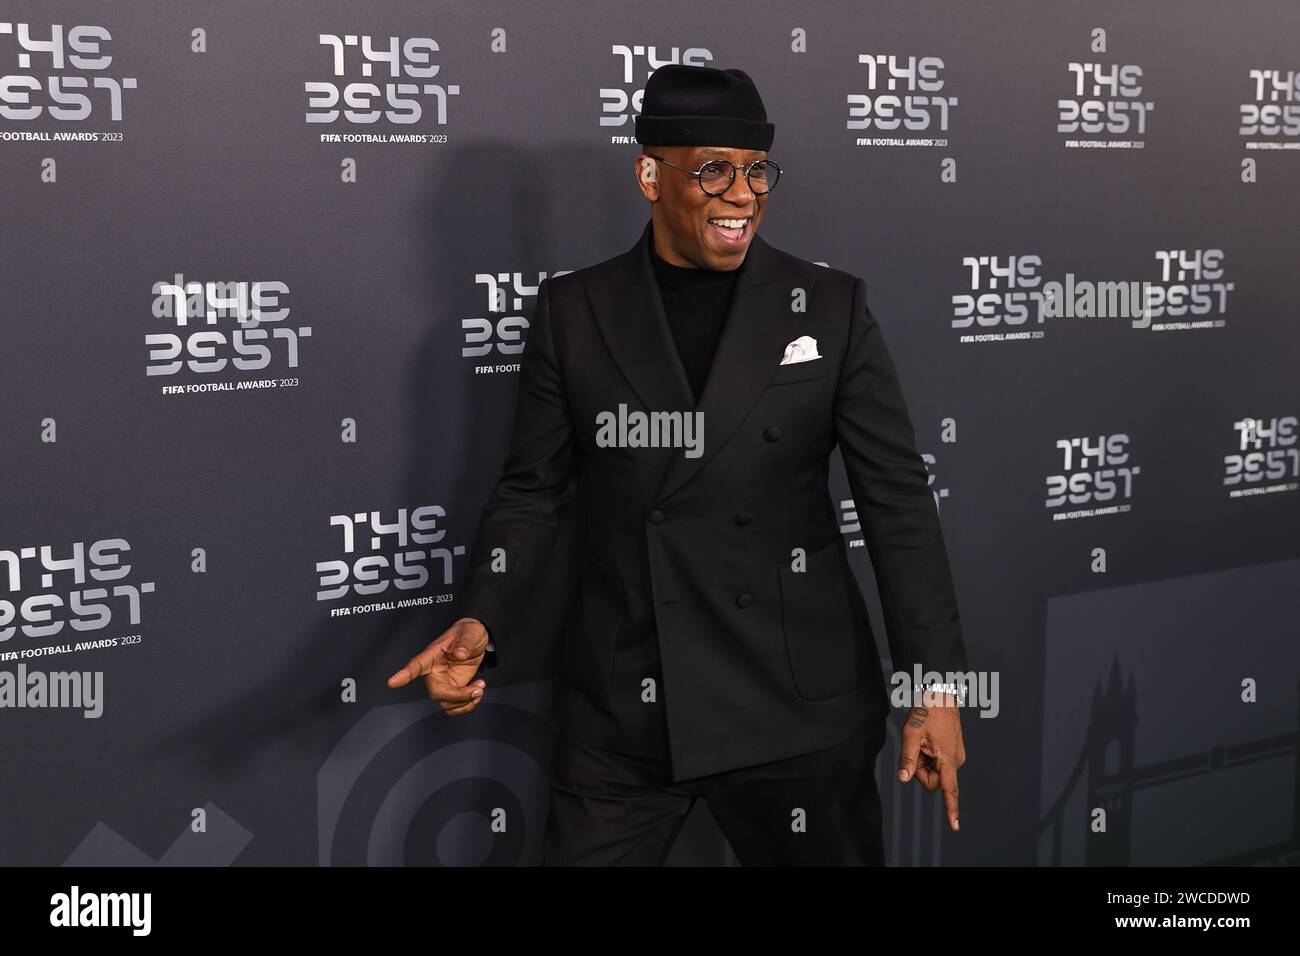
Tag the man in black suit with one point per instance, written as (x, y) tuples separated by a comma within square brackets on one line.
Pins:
[(687, 395)]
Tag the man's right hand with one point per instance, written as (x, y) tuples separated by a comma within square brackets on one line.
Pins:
[(448, 666)]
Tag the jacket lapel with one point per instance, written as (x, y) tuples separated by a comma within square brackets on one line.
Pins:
[(760, 322)]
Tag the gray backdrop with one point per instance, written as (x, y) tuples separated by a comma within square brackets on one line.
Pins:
[(392, 204)]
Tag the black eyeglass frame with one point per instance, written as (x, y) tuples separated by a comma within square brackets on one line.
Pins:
[(731, 181)]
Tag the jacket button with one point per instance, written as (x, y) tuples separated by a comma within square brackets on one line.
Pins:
[(745, 600), (772, 433), (744, 518), (656, 516)]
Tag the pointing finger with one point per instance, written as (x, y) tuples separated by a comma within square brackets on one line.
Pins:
[(417, 666), (948, 779)]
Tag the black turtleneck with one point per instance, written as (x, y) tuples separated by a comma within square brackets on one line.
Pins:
[(696, 302)]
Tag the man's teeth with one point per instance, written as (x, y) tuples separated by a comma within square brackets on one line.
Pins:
[(730, 223)]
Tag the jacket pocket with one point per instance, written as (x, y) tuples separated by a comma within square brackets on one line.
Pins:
[(827, 632), (801, 371)]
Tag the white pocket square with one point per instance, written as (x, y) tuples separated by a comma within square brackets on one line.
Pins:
[(802, 349)]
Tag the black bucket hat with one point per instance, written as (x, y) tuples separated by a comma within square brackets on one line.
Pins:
[(702, 106)]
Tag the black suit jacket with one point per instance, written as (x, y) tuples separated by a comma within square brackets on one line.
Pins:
[(763, 657)]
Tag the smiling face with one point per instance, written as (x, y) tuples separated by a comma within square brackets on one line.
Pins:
[(687, 231)]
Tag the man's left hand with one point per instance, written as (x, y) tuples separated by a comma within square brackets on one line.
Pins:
[(932, 748)]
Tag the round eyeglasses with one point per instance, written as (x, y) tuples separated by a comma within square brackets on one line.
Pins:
[(716, 176)]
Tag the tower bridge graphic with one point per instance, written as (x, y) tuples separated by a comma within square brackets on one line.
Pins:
[(1106, 774)]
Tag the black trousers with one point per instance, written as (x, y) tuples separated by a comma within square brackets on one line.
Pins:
[(817, 809)]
